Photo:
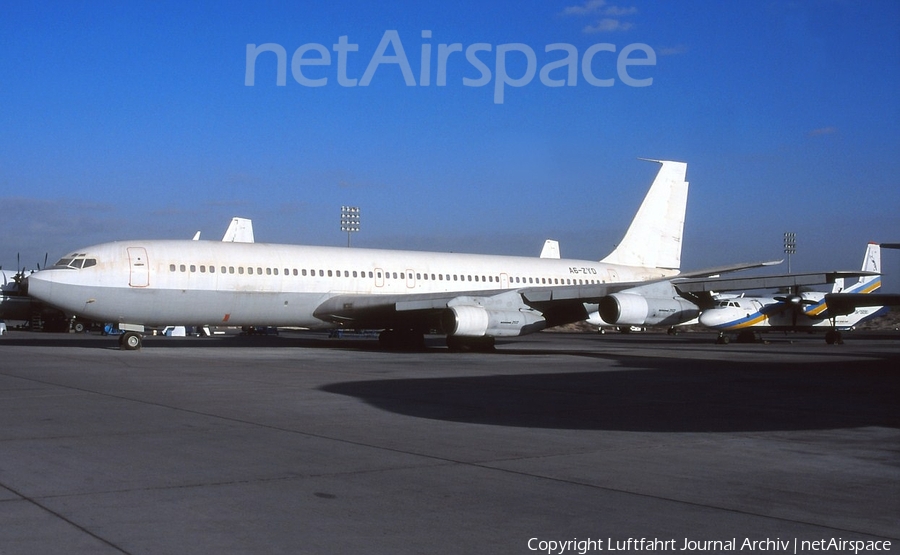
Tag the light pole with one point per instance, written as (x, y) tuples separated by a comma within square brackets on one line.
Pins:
[(349, 220), (790, 246)]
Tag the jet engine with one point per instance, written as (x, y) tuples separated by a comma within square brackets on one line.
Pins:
[(636, 310), (477, 321)]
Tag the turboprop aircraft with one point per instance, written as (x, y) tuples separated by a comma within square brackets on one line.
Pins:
[(471, 298), (14, 304), (832, 312)]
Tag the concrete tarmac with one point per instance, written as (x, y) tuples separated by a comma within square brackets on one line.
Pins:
[(304, 444)]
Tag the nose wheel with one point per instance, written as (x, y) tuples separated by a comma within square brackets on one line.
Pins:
[(130, 341)]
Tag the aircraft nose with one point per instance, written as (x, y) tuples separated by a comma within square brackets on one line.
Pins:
[(713, 318), (37, 285)]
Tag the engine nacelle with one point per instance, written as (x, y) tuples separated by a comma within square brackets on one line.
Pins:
[(477, 321), (636, 310)]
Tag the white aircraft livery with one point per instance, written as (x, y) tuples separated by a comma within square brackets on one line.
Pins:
[(469, 297)]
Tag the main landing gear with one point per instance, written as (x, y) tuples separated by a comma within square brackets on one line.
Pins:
[(130, 341)]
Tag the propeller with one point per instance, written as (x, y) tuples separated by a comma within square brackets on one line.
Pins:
[(795, 302), (19, 277)]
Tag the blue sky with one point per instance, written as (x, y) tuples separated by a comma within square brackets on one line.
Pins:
[(127, 120)]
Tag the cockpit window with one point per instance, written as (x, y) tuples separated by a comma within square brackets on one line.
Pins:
[(75, 262)]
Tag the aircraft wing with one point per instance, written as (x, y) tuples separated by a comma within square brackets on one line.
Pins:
[(559, 304), (707, 284), (846, 303)]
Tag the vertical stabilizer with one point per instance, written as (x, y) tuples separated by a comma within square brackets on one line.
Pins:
[(653, 239), (871, 263), (551, 249), (239, 231)]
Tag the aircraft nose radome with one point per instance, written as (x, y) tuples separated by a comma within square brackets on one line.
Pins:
[(712, 318), (37, 285)]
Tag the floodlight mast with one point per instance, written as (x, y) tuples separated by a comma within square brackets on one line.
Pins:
[(349, 220), (790, 246)]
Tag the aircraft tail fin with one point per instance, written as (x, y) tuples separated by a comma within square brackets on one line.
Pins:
[(551, 249), (239, 231), (871, 263), (653, 239)]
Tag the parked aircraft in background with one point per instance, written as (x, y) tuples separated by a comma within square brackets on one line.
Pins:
[(471, 298), (832, 312), (551, 249), (240, 230), (14, 304)]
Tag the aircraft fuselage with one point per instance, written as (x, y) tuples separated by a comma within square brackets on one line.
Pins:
[(188, 282)]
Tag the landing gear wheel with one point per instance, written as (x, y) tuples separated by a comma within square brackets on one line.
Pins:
[(130, 341), (723, 339)]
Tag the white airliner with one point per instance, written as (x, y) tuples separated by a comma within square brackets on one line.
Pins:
[(472, 298), (15, 304), (841, 309)]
